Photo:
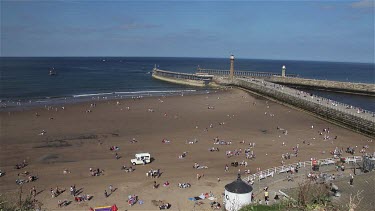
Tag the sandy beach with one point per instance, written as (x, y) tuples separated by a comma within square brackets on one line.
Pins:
[(79, 137)]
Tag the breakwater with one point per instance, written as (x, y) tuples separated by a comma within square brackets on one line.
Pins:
[(183, 78), (294, 81), (338, 86), (355, 118)]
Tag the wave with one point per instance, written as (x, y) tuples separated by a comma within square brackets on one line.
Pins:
[(134, 92), (164, 91), (96, 94), (55, 101)]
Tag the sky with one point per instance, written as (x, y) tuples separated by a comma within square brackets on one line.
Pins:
[(280, 30)]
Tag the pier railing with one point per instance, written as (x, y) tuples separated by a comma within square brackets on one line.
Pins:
[(271, 172), (241, 73)]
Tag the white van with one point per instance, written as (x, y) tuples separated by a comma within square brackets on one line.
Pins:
[(141, 158)]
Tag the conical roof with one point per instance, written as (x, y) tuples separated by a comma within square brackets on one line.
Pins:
[(238, 186)]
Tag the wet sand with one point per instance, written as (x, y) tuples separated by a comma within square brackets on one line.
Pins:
[(77, 140)]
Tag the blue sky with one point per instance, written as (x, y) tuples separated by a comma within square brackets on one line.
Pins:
[(294, 30)]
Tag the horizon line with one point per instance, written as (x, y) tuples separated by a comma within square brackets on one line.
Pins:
[(302, 60)]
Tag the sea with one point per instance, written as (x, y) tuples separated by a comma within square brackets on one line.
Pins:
[(25, 81)]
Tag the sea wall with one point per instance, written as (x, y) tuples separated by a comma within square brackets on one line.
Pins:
[(180, 81), (358, 88), (358, 121), (200, 80)]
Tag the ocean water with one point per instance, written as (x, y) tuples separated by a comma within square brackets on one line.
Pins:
[(26, 81)]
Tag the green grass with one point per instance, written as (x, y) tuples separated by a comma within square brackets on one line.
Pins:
[(26, 204), (259, 207)]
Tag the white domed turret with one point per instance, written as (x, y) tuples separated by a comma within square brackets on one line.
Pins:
[(231, 57), (237, 194)]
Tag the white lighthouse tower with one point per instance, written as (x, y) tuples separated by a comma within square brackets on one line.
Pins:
[(283, 69)]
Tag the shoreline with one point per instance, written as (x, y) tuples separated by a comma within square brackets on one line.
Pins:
[(27, 104)]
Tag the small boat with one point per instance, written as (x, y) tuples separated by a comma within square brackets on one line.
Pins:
[(52, 72)]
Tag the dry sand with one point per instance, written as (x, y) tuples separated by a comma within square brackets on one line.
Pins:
[(72, 141)]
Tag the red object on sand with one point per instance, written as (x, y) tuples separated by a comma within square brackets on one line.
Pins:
[(114, 208)]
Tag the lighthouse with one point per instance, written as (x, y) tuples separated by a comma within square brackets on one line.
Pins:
[(283, 69), (231, 66)]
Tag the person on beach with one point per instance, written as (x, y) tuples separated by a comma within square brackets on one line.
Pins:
[(72, 191), (33, 192), (53, 194), (155, 185), (111, 188), (58, 191), (351, 180), (158, 173), (266, 196)]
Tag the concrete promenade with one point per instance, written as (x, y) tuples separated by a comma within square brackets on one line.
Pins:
[(277, 183)]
